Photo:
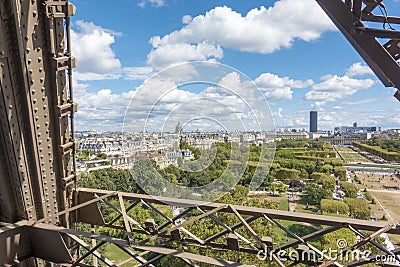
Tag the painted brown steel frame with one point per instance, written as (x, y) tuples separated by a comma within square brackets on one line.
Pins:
[(36, 102), (32, 52), (348, 16), (89, 198)]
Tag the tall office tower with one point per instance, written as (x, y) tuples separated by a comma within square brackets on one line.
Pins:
[(313, 121)]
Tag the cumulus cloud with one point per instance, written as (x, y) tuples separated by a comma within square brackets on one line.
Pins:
[(262, 30), (334, 87), (96, 58), (92, 48), (187, 19), (279, 88), (233, 103), (171, 54), (100, 110), (137, 73), (358, 69), (318, 105)]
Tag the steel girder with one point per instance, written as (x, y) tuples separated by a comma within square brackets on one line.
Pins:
[(155, 239), (37, 169), (383, 59)]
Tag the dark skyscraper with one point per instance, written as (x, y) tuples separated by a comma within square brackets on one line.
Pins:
[(313, 121)]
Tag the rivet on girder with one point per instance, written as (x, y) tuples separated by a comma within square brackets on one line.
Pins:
[(40, 70), (39, 59)]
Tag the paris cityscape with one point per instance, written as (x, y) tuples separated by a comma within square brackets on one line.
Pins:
[(171, 133)]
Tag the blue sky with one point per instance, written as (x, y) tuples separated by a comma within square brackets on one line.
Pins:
[(300, 62)]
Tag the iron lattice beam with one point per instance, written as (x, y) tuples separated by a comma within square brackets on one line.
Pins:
[(37, 166), (348, 16), (93, 203)]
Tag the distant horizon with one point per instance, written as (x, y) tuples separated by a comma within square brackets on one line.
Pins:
[(250, 131)]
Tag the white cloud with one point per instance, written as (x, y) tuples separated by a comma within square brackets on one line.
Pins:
[(96, 58), (261, 30), (358, 69), (100, 110), (187, 19), (335, 87), (171, 54), (284, 93), (154, 3), (266, 80), (92, 48), (279, 88), (318, 105), (137, 73), (360, 102)]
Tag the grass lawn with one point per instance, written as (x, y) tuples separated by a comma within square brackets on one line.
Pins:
[(115, 254), (284, 204), (299, 229), (350, 155)]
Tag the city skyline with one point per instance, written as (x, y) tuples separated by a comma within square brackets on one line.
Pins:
[(290, 63)]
